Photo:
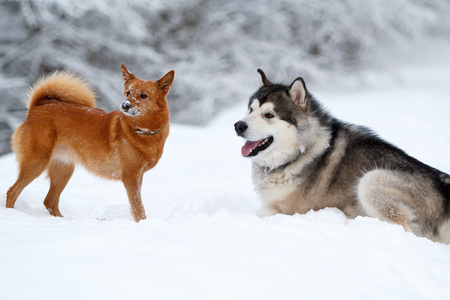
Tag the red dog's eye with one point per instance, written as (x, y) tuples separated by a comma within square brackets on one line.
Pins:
[(128, 93), (143, 96)]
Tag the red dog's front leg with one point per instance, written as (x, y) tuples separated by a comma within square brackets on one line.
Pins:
[(132, 180)]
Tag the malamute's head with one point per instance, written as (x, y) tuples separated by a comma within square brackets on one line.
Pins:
[(277, 127)]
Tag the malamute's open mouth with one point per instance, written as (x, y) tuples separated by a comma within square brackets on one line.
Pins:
[(253, 148)]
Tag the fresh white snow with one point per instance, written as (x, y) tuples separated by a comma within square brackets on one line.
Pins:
[(202, 240)]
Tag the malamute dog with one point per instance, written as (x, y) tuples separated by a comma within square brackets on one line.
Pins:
[(303, 159)]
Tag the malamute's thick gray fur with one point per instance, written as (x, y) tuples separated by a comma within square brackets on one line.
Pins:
[(303, 159)]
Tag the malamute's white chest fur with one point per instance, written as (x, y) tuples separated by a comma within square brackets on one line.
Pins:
[(280, 188)]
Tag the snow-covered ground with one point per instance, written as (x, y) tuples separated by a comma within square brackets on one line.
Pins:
[(202, 239)]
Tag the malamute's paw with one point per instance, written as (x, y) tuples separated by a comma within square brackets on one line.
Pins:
[(266, 212)]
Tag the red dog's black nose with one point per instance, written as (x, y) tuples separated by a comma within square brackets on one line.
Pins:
[(126, 105), (240, 127)]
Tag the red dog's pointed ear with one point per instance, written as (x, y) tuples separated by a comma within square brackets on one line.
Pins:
[(127, 75), (165, 82)]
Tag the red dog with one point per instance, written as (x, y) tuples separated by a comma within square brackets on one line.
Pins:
[(63, 127)]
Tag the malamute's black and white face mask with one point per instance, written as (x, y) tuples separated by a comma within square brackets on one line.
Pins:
[(272, 126)]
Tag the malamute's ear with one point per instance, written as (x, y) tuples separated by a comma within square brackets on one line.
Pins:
[(262, 79), (127, 75), (297, 92)]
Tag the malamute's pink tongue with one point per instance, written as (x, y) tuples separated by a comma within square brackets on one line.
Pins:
[(248, 147)]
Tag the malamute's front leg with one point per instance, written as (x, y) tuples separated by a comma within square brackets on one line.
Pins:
[(266, 211)]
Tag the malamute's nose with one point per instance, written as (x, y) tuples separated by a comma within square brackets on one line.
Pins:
[(240, 127)]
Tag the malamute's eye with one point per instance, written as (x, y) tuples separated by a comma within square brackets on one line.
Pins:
[(269, 115), (143, 96), (250, 111)]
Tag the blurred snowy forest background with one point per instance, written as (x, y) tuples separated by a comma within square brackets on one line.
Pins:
[(214, 46)]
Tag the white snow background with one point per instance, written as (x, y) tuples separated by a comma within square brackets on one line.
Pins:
[(202, 240)]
